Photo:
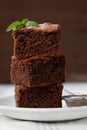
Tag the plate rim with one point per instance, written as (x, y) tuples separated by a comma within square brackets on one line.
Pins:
[(12, 108), (40, 114)]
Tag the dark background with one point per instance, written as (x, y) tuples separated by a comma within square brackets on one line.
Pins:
[(70, 14)]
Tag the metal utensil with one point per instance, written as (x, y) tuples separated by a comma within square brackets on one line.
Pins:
[(73, 100)]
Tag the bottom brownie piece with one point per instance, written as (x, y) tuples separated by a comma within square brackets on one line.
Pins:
[(38, 97)]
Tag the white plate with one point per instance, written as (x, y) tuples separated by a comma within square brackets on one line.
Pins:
[(7, 106)]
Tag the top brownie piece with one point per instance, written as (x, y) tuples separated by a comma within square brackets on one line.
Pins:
[(34, 41)]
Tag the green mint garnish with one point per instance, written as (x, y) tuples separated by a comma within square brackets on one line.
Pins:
[(20, 24), (31, 23), (14, 25), (24, 21)]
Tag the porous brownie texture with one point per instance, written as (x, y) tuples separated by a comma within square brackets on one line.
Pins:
[(38, 71), (38, 97), (34, 41)]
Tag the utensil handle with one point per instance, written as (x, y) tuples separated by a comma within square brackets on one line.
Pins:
[(69, 92)]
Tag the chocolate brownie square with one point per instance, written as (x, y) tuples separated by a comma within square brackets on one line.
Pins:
[(34, 41), (38, 97), (38, 71)]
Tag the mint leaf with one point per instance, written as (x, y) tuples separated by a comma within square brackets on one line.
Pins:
[(31, 23), (24, 21), (20, 24), (14, 25)]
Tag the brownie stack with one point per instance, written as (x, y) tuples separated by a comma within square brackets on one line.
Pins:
[(38, 67)]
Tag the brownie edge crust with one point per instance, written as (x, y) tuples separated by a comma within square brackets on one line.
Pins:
[(39, 97)]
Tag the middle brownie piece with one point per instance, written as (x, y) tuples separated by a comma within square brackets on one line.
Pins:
[(38, 71)]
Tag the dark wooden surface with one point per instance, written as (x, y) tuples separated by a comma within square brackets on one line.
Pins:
[(71, 14)]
